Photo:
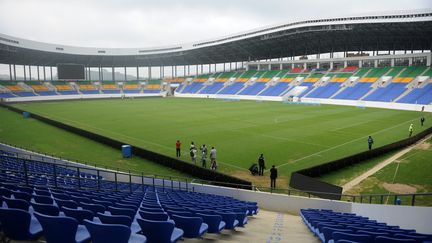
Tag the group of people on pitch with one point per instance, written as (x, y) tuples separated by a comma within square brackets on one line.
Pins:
[(254, 169), (193, 151), (410, 132)]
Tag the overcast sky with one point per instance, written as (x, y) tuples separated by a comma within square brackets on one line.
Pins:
[(142, 23)]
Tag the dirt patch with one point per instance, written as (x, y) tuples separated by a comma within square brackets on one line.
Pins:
[(424, 146), (399, 188), (263, 181)]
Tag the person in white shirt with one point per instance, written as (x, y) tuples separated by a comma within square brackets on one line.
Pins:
[(213, 164)]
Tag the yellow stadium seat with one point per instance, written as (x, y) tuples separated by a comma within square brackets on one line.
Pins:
[(109, 86), (14, 88), (39, 87), (63, 87)]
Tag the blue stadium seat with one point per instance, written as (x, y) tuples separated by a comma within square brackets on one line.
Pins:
[(160, 232), (214, 222), (102, 233), (192, 226), (47, 209), (17, 203), (62, 229), (351, 236), (17, 224), (43, 199), (79, 214)]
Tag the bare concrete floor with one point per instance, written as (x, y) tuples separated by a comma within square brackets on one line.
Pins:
[(266, 227)]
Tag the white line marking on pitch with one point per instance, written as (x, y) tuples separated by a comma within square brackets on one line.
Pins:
[(343, 144)]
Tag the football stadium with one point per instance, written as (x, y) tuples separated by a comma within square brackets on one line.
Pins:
[(311, 130)]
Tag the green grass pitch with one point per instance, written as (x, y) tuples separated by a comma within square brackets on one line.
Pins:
[(291, 137)]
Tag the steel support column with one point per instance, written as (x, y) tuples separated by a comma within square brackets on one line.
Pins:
[(10, 72), (44, 76), (112, 73), (51, 73), (137, 73), (125, 76), (25, 76), (38, 73)]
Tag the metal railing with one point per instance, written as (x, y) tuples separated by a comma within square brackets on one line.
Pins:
[(139, 180)]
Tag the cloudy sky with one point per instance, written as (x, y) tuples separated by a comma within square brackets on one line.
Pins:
[(143, 23)]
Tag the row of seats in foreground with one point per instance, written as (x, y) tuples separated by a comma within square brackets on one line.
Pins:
[(330, 226), (29, 213)]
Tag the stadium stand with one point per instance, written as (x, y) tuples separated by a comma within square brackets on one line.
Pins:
[(46, 194), (131, 87), (153, 86), (383, 84), (110, 87), (87, 87), (330, 226)]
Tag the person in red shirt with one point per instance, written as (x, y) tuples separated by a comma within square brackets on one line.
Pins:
[(178, 147)]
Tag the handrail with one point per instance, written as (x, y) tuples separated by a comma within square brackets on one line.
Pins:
[(189, 184)]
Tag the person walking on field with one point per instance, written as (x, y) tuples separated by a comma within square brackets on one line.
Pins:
[(422, 120), (261, 165), (410, 130), (203, 156), (178, 148), (273, 176), (370, 142), (213, 164)]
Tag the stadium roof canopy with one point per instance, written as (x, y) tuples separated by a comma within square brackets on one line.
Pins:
[(404, 30)]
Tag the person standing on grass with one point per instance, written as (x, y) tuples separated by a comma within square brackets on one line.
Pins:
[(410, 130), (203, 155), (273, 176), (193, 154), (192, 146), (178, 147), (422, 120), (261, 165), (370, 142), (213, 164)]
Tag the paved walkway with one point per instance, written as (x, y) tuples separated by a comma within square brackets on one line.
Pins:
[(266, 227), (381, 165)]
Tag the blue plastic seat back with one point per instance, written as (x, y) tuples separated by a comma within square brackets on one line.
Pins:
[(103, 233), (58, 228), (418, 238), (95, 208), (5, 192), (17, 203), (229, 219), (22, 195), (79, 199), (156, 231), (25, 189), (115, 219), (387, 239), (43, 199), (213, 222), (42, 192), (154, 216), (61, 196), (181, 213), (79, 214), (190, 225), (147, 209), (328, 231), (66, 203), (47, 209), (353, 237), (122, 211), (15, 223)]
